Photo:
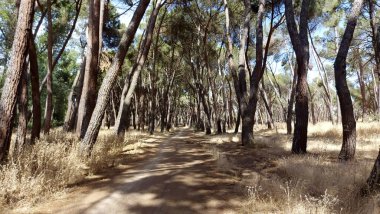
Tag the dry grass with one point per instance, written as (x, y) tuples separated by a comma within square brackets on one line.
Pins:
[(313, 183), (52, 164)]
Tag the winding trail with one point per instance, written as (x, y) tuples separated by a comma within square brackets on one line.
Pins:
[(180, 177)]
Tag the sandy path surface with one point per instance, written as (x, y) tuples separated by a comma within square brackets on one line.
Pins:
[(180, 177)]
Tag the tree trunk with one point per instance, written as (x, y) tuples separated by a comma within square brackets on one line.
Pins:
[(324, 80), (267, 107), (300, 45), (110, 78), (36, 99), (49, 75), (14, 73), (376, 46), (360, 74), (129, 89), (153, 81), (373, 181), (232, 66), (87, 100), (237, 122), (348, 118), (22, 110), (205, 109), (290, 111), (73, 99), (249, 97), (312, 107), (245, 108)]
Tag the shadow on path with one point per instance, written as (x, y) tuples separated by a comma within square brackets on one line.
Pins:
[(179, 177)]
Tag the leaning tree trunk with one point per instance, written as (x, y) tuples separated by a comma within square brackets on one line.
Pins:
[(73, 99), (87, 100), (348, 118), (129, 89), (373, 181), (110, 78), (14, 73), (300, 45)]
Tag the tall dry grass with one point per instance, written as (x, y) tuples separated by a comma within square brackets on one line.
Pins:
[(315, 183), (53, 163)]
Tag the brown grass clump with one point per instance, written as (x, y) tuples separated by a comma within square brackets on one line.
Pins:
[(327, 130), (279, 182), (53, 163)]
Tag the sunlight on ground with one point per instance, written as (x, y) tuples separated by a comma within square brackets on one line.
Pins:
[(266, 173), (46, 168), (278, 182)]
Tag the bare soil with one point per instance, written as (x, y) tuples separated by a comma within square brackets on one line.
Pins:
[(176, 174)]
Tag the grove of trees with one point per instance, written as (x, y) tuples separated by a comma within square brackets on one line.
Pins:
[(213, 65)]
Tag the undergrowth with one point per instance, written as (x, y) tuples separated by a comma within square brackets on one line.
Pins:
[(315, 183), (53, 163)]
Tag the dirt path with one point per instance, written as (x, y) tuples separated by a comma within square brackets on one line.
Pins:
[(180, 177)]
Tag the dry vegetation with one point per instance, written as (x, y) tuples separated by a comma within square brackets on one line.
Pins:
[(272, 179), (54, 163), (275, 181)]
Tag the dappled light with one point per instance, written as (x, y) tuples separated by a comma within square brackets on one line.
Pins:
[(200, 106)]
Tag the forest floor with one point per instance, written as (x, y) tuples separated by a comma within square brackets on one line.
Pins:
[(175, 174), (188, 172)]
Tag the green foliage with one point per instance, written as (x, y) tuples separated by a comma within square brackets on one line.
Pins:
[(112, 28), (7, 28), (63, 78)]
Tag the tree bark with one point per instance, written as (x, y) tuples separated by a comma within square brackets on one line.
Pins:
[(300, 45), (231, 64), (87, 101), (312, 107), (360, 74), (49, 75), (14, 73), (36, 98), (153, 80), (290, 111), (373, 181), (375, 30), (73, 99), (22, 110), (110, 78), (267, 107), (249, 97), (348, 118), (324, 79)]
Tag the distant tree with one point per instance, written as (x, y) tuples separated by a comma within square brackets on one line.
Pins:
[(58, 34), (110, 78), (131, 82), (375, 38)]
